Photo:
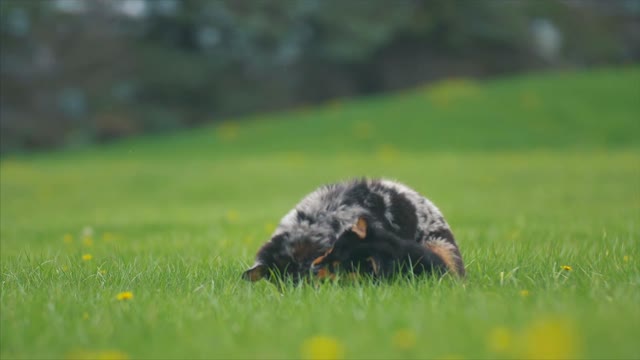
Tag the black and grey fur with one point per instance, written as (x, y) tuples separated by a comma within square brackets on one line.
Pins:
[(368, 248), (315, 224)]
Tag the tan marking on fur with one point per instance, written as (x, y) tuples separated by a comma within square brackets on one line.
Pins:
[(360, 228), (324, 273), (374, 264), (446, 251), (255, 274), (320, 259)]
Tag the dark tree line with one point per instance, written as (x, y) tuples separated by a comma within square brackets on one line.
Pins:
[(79, 71)]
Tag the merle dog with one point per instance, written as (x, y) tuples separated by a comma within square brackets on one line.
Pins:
[(390, 222)]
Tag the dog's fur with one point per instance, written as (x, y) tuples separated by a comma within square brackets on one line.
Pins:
[(322, 217), (379, 253)]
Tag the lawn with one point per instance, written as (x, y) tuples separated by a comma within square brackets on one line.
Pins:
[(538, 175)]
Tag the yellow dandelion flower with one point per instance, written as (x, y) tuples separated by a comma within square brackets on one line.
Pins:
[(248, 240), (452, 357), (67, 238), (97, 355), (85, 315), (232, 216), (362, 130), (524, 293), (529, 100), (550, 339), (269, 228), (228, 131), (125, 295), (566, 268), (404, 339), (107, 237), (113, 355), (500, 340), (445, 92), (335, 104), (87, 241), (87, 257), (626, 258), (322, 347), (295, 159), (387, 152)]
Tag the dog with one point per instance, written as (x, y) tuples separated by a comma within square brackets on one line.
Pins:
[(386, 210)]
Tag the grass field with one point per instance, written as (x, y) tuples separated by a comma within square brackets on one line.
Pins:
[(533, 173)]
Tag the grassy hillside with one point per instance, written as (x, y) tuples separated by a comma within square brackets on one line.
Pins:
[(533, 173)]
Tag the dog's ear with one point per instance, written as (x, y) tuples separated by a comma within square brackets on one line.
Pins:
[(255, 273), (360, 228)]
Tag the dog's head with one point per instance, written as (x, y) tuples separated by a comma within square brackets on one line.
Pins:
[(285, 257), (352, 253)]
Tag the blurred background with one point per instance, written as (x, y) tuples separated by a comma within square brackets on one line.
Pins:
[(76, 72)]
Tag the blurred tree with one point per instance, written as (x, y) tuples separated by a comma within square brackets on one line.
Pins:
[(76, 71), (53, 74)]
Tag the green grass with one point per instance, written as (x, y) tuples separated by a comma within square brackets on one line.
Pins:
[(533, 173)]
